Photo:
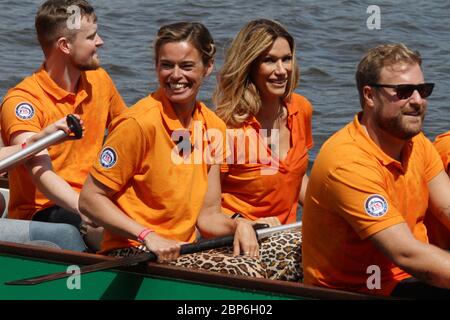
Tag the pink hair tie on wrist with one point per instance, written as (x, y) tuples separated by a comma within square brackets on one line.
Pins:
[(143, 234)]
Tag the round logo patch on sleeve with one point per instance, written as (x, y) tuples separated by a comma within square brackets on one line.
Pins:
[(376, 206), (24, 111), (108, 157)]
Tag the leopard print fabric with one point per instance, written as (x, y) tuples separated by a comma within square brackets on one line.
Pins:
[(222, 260), (280, 258), (217, 260)]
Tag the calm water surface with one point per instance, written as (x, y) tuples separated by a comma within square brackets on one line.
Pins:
[(331, 38)]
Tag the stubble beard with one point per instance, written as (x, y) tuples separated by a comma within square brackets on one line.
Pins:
[(397, 127), (92, 64)]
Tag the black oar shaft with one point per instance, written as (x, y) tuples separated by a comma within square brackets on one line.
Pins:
[(207, 244)]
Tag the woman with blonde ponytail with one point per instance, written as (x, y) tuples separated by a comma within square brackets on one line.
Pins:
[(255, 98)]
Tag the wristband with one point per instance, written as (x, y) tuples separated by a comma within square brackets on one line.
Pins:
[(143, 234)]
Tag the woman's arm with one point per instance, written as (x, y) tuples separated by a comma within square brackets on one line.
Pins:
[(95, 203), (213, 223)]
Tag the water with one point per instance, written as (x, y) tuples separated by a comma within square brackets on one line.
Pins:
[(331, 39)]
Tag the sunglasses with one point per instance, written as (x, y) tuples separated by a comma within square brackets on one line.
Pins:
[(404, 91)]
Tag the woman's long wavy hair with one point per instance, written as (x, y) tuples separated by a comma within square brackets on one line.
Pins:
[(236, 96)]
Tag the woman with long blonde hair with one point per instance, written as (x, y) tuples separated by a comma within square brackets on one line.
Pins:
[(269, 134)]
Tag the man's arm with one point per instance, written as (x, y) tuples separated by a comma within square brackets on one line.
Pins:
[(423, 261), (212, 222), (46, 180), (61, 124), (439, 188)]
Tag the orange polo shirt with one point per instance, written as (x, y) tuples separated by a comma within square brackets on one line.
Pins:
[(37, 102), (355, 190), (247, 189), (442, 144), (438, 234), (155, 186)]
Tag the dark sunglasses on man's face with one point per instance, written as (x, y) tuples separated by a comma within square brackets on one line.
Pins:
[(404, 91)]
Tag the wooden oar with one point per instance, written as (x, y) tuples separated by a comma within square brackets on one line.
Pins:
[(16, 158), (262, 230)]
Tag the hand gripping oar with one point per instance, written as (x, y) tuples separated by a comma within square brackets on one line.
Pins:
[(16, 158), (261, 230)]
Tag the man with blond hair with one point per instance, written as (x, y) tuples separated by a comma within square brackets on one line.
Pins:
[(370, 186), (47, 187)]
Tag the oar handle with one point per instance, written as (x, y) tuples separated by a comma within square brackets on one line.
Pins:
[(75, 127)]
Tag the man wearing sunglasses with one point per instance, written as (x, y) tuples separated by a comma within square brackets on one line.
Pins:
[(370, 187)]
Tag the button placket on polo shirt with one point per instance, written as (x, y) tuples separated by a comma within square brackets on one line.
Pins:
[(78, 100)]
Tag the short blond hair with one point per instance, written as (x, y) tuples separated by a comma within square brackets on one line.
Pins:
[(51, 20), (369, 68)]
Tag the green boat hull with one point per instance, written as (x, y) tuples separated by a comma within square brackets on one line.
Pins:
[(106, 285), (149, 281)]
